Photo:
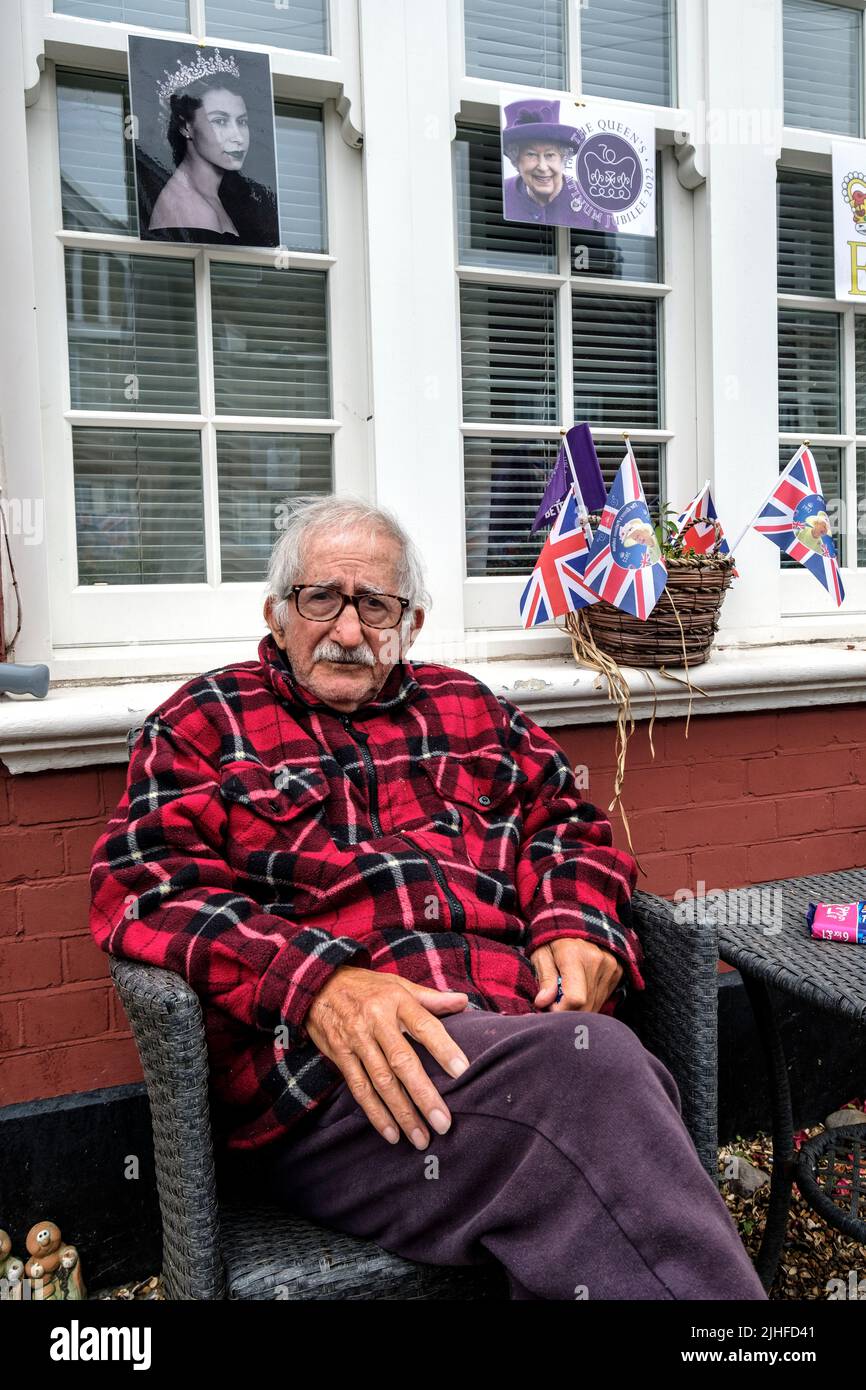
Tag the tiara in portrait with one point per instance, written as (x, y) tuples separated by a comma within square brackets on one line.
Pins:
[(192, 72)]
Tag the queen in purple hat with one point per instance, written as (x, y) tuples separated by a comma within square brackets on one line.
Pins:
[(539, 147)]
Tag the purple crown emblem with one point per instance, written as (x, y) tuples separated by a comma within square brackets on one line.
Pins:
[(610, 172), (610, 178)]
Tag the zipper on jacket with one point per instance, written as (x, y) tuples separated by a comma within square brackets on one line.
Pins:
[(361, 738), (458, 914)]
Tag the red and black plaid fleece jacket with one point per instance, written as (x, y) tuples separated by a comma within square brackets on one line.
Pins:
[(264, 839)]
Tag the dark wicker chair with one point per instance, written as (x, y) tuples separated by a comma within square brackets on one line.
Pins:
[(217, 1244)]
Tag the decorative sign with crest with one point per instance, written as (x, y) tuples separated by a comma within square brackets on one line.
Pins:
[(203, 128), (567, 165), (849, 219)]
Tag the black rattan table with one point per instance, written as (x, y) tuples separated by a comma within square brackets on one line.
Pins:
[(763, 933)]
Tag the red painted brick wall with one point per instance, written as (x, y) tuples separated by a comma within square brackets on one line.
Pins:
[(747, 797)]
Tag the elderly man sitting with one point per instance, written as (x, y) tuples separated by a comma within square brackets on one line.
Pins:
[(343, 851)]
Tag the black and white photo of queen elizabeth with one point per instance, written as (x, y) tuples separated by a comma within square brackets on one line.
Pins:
[(203, 126)]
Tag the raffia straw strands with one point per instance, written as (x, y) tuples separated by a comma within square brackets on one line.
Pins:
[(602, 637), (584, 649)]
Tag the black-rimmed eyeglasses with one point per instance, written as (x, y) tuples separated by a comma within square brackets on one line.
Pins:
[(322, 605)]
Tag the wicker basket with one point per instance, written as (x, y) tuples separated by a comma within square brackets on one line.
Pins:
[(686, 616)]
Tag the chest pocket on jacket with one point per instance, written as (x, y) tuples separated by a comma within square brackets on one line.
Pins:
[(279, 794), (485, 791)]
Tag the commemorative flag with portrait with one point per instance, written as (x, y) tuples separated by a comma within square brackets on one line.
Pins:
[(795, 518), (625, 564), (556, 585)]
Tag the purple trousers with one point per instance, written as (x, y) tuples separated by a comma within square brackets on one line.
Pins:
[(567, 1160)]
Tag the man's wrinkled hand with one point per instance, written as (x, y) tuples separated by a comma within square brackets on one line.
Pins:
[(589, 974), (358, 1020)]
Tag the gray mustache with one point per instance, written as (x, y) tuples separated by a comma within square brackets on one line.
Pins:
[(329, 651)]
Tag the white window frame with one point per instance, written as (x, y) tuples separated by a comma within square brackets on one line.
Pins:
[(806, 609), (845, 5), (491, 604), (572, 49), (107, 631), (801, 596)]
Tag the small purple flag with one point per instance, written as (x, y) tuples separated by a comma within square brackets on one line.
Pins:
[(576, 462), (587, 467), (554, 493)]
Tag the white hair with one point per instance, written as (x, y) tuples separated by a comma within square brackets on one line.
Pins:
[(299, 518)]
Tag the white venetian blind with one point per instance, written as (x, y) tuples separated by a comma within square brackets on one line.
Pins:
[(504, 482), (301, 24), (512, 373), (483, 235), (270, 346), (300, 144), (861, 494), (516, 41), (823, 47), (97, 187), (257, 471), (860, 370), (139, 513), (805, 208), (132, 337), (509, 353), (809, 372), (616, 375), (626, 50), (150, 14)]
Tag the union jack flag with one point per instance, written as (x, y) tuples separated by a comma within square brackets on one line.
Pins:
[(625, 566), (795, 518), (556, 585), (699, 525)]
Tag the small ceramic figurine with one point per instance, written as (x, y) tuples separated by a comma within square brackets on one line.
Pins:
[(69, 1278), (43, 1246), (11, 1269), (13, 1290)]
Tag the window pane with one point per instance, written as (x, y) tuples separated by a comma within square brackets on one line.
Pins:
[(861, 508), (256, 473), (616, 375), (509, 353), (483, 235), (132, 338), (805, 203), (139, 516), (151, 14), (829, 465), (516, 41), (626, 48), (97, 186), (618, 257), (300, 140), (860, 370), (822, 45), (270, 346), (809, 392), (649, 462), (503, 483), (279, 23)]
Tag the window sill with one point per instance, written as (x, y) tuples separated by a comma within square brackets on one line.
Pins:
[(84, 725)]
